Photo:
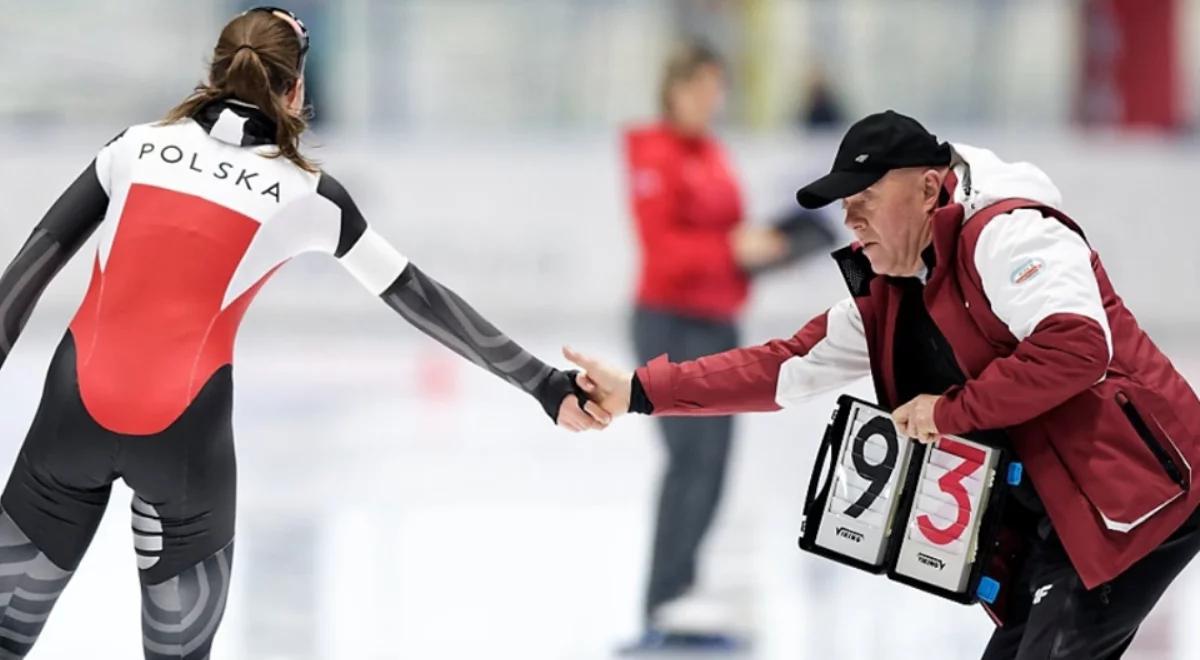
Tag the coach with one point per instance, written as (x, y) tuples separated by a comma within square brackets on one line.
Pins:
[(978, 306)]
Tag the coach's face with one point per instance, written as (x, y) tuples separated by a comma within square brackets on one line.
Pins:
[(891, 219)]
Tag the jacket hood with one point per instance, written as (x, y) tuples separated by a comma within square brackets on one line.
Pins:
[(984, 179)]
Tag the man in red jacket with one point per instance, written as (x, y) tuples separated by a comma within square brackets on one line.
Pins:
[(976, 305)]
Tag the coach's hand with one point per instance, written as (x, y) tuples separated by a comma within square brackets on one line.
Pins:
[(603, 383), (915, 418)]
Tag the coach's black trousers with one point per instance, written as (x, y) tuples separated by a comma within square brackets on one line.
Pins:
[(1055, 617)]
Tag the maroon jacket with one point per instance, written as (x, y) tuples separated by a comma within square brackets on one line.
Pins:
[(1108, 436)]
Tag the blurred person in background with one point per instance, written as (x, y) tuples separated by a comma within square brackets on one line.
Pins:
[(821, 109), (697, 258), (201, 209)]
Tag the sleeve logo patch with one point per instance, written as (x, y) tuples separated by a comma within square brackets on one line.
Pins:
[(1028, 270)]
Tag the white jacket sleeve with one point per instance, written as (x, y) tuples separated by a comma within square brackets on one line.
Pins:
[(838, 359), (1031, 267)]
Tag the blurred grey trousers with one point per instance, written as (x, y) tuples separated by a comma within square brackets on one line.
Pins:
[(697, 452)]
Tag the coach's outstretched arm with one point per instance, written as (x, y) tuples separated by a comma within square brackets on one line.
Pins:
[(829, 352)]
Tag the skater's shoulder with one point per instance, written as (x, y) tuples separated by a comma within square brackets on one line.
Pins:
[(332, 189)]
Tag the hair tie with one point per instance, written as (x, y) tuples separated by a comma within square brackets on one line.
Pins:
[(239, 48)]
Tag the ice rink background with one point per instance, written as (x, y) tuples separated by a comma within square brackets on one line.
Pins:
[(395, 502)]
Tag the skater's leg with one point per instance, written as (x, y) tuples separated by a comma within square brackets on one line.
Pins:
[(185, 581), (184, 482), (51, 507), (30, 585), (180, 615)]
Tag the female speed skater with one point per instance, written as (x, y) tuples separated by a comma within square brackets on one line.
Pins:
[(201, 209)]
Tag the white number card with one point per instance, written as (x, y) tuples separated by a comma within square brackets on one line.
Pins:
[(867, 477), (941, 534)]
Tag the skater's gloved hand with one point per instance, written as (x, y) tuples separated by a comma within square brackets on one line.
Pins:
[(606, 385), (573, 410), (915, 418)]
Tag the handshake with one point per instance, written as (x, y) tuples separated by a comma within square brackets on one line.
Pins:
[(601, 393), (605, 389)]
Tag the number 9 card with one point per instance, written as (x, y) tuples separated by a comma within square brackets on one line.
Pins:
[(851, 518)]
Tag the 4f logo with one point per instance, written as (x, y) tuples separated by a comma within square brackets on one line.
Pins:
[(1041, 593)]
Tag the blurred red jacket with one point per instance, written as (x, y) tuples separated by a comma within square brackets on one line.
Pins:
[(685, 202)]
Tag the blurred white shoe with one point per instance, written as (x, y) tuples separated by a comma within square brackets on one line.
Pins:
[(696, 612)]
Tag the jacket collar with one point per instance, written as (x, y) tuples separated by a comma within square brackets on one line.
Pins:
[(237, 123)]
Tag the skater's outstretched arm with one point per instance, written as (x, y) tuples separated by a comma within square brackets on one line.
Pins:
[(443, 315), (64, 228)]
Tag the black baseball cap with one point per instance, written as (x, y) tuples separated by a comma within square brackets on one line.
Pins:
[(873, 146)]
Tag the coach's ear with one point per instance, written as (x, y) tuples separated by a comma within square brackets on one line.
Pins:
[(931, 188)]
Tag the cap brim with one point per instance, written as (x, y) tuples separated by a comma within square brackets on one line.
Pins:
[(835, 186)]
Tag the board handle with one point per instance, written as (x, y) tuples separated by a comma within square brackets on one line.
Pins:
[(830, 444)]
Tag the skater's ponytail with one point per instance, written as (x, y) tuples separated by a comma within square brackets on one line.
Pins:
[(684, 62), (257, 60)]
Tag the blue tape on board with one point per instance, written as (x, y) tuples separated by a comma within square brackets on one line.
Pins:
[(1015, 471), (988, 589)]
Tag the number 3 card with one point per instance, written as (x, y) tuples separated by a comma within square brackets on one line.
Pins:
[(941, 534)]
